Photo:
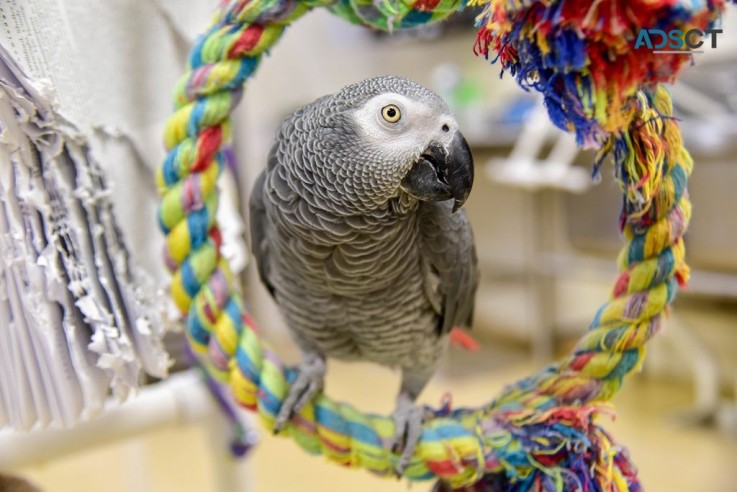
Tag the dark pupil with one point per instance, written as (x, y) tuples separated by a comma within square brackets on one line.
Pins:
[(391, 112)]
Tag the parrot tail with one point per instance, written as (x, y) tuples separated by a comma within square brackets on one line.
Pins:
[(463, 339)]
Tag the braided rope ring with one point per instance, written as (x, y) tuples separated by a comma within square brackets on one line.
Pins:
[(541, 431)]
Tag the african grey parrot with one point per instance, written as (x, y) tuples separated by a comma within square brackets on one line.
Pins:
[(357, 239)]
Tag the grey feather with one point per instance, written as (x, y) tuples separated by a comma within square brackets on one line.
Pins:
[(447, 247), (258, 222)]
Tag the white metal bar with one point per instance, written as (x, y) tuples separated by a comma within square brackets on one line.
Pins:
[(231, 475), (533, 136), (704, 367), (696, 101), (181, 399)]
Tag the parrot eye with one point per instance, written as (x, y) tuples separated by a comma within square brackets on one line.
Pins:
[(391, 113)]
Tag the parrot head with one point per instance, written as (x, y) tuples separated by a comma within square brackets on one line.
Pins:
[(390, 137)]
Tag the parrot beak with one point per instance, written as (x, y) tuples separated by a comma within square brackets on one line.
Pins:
[(442, 173)]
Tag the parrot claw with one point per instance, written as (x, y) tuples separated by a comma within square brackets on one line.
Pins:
[(310, 381), (408, 419)]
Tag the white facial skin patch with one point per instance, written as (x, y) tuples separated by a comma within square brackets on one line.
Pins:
[(405, 139)]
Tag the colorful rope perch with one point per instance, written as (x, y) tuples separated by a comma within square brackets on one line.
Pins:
[(542, 432)]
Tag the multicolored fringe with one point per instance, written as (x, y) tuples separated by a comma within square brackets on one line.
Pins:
[(541, 433), (580, 54), (390, 15)]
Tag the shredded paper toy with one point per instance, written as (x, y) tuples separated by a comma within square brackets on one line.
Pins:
[(76, 317), (83, 304)]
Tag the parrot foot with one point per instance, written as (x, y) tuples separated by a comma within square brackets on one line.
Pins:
[(310, 381), (408, 419)]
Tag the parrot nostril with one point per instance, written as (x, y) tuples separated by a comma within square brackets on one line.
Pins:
[(446, 128)]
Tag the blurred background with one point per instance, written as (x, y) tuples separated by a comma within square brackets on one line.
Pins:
[(546, 233)]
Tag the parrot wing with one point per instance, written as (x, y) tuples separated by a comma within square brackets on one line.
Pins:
[(258, 219), (449, 262)]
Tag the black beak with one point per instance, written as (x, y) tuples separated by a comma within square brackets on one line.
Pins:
[(442, 173)]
